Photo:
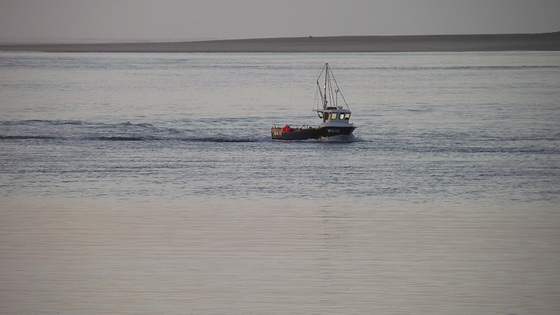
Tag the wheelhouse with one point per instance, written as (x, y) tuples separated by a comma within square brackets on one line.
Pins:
[(333, 114)]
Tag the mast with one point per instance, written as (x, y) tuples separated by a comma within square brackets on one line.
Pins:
[(329, 91), (324, 91), (325, 85)]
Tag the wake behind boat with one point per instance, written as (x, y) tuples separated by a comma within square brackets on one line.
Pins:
[(335, 118)]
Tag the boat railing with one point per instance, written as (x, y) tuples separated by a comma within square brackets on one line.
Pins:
[(294, 126)]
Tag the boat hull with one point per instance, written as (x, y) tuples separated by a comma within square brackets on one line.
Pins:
[(310, 133)]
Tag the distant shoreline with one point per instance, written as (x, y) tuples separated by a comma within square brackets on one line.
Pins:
[(421, 43)]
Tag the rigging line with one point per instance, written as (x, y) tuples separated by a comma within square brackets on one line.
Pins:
[(320, 92), (339, 90), (316, 103)]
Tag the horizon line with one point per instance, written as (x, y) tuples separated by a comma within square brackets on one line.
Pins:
[(84, 41)]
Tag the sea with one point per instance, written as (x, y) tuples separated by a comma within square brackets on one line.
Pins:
[(148, 183)]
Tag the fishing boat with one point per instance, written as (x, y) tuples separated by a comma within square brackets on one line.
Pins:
[(335, 118)]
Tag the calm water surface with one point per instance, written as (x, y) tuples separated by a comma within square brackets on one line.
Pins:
[(148, 183)]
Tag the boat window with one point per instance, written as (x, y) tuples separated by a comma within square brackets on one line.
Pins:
[(333, 116), (347, 116)]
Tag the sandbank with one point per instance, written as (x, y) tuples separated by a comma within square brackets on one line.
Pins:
[(429, 43)]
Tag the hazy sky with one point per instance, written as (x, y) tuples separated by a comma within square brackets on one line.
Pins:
[(111, 20)]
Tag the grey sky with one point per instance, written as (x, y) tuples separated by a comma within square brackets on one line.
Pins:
[(129, 20)]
